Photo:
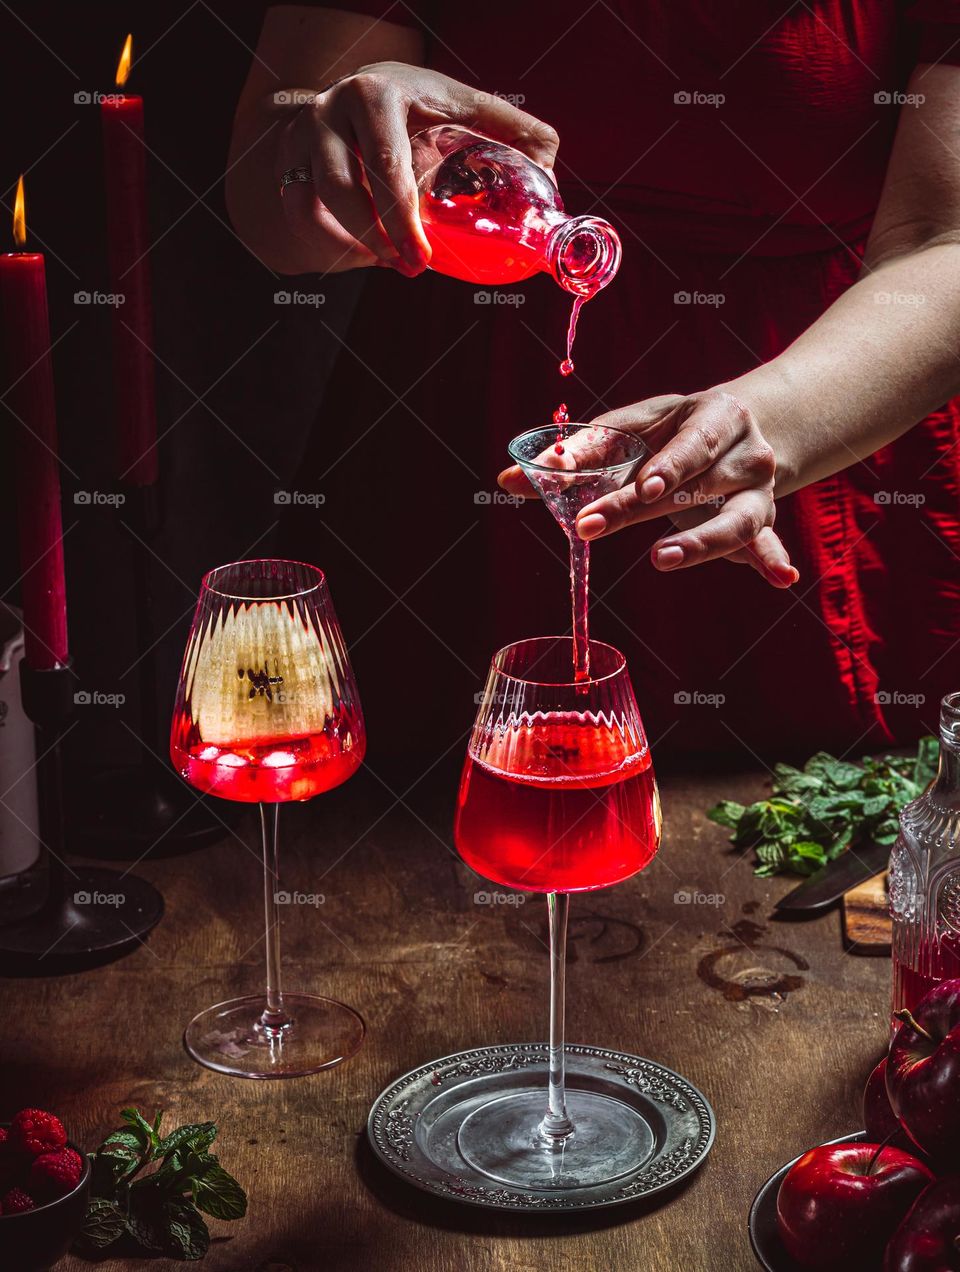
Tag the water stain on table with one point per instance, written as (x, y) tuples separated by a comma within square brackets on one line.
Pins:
[(592, 938), (736, 971)]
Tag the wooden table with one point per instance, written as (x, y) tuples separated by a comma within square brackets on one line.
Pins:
[(781, 1042)]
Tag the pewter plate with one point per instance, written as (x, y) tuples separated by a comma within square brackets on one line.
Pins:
[(414, 1122)]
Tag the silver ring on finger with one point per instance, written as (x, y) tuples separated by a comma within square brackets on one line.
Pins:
[(294, 176)]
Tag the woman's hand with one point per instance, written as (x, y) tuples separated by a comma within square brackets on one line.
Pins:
[(712, 473), (355, 139)]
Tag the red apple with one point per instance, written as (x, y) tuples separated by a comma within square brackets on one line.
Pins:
[(928, 1240), (879, 1119), (839, 1204), (923, 1072)]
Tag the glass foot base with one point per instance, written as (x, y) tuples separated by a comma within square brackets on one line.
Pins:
[(231, 1038), (501, 1139)]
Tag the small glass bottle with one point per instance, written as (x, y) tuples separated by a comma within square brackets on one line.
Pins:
[(924, 879), (492, 216)]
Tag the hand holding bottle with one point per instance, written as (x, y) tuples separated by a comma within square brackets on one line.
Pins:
[(354, 138)]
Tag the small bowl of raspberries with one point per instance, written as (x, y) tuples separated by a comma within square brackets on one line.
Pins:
[(44, 1182)]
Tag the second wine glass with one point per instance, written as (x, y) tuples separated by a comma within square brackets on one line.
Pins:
[(557, 796), (267, 712)]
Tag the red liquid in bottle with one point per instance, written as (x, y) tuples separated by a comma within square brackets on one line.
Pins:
[(271, 771), (939, 964), (483, 225), (558, 805)]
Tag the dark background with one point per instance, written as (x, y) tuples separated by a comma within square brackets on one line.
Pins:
[(273, 416)]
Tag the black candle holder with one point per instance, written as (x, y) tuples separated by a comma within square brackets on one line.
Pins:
[(88, 911), (146, 807)]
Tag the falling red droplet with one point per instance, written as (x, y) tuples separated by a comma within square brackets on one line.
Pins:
[(560, 415), (566, 366), (558, 449)]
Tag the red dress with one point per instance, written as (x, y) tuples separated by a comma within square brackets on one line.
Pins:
[(740, 152)]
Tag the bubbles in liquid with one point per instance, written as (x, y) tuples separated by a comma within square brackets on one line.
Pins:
[(566, 366)]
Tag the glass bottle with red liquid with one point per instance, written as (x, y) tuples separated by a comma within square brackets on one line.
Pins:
[(924, 877), (493, 216)]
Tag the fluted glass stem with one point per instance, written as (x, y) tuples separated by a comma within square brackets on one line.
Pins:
[(274, 1016), (556, 1126)]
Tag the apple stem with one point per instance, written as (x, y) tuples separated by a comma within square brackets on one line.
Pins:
[(907, 1018), (880, 1147)]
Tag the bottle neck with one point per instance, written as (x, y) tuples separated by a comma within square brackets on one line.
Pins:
[(583, 254), (948, 773)]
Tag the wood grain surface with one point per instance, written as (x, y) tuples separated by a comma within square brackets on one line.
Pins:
[(772, 1019), (867, 926)]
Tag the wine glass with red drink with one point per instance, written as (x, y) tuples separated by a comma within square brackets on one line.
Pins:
[(557, 796), (266, 712)]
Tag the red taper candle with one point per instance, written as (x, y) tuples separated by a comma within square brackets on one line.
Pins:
[(32, 425), (129, 248)]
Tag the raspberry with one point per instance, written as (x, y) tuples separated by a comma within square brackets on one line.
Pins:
[(36, 1132), (16, 1201), (54, 1174)]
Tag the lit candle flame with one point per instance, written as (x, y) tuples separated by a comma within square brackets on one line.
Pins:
[(19, 216), (126, 58)]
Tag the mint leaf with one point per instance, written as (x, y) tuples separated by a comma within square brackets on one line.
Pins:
[(815, 814), (726, 813), (102, 1225), (219, 1194), (157, 1213), (142, 1128), (127, 1139), (807, 858), (196, 1136), (187, 1235), (146, 1224), (116, 1164)]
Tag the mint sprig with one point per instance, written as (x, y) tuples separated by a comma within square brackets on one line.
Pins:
[(157, 1212), (817, 812)]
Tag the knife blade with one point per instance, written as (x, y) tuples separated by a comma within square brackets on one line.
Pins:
[(828, 885)]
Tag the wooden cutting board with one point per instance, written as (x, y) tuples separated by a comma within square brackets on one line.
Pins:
[(867, 927)]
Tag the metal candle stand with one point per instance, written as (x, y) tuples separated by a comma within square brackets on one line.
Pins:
[(88, 911), (131, 810)]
